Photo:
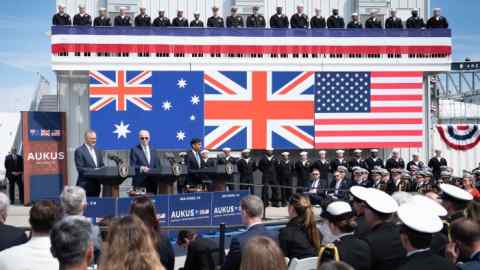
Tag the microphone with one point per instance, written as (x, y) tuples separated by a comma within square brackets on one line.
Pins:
[(115, 158)]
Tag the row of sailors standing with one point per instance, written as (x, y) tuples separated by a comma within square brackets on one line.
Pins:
[(235, 20)]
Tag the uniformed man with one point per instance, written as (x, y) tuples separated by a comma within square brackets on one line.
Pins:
[(357, 176), (376, 176), (318, 21), (235, 20), (437, 20), (102, 19), (445, 177), (123, 19), (356, 161), (246, 166), (373, 160), (180, 21), (256, 20), (226, 158), (335, 20), (143, 19), (436, 162), (279, 20), (267, 165), (395, 161), (455, 200), (394, 182), (338, 161), (82, 18), (322, 165), (415, 162), (359, 195), (61, 18), (215, 20), (415, 21), (393, 21), (373, 21), (384, 237), (385, 176), (419, 224), (196, 22), (303, 168), (355, 22), (299, 19), (161, 20), (285, 171), (366, 181)]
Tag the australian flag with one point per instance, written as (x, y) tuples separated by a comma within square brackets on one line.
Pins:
[(169, 104)]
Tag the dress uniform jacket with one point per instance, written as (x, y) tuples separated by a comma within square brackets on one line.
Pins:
[(299, 21), (303, 170), (437, 22), (285, 171), (61, 19), (426, 260), (143, 20), (318, 22), (196, 23), (394, 164), (122, 21), (335, 22), (269, 177), (435, 164), (354, 25), (215, 21), (161, 22), (415, 22), (102, 21), (372, 163), (412, 163), (81, 20), (245, 168), (362, 228), (279, 21), (235, 21), (356, 163), (354, 251), (373, 23), (385, 245), (180, 22), (293, 240), (323, 167), (337, 162), (392, 22), (256, 21)]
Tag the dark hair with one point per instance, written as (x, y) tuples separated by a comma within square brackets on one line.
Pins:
[(43, 216), (418, 240), (195, 141), (379, 215), (183, 235), (333, 265), (345, 223), (305, 215), (457, 204), (262, 253), (143, 208), (466, 231), (106, 222)]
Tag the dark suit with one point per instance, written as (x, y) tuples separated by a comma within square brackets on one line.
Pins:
[(61, 19), (321, 192), (323, 167), (165, 252), (122, 21), (354, 251), (84, 162), (285, 171), (394, 164), (139, 159), (299, 21), (435, 165), (279, 21), (385, 245), (84, 20), (427, 260), (193, 164), (269, 177), (293, 240), (102, 21), (234, 257), (474, 264), (14, 165), (303, 170), (202, 254), (143, 20), (342, 191), (335, 22), (11, 236)]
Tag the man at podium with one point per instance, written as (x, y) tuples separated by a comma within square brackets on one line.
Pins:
[(143, 158), (88, 157)]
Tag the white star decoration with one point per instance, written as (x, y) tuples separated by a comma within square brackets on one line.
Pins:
[(121, 130), (180, 135), (195, 100), (192, 117), (182, 83), (167, 105)]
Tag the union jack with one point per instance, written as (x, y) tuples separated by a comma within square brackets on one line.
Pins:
[(119, 87), (259, 109)]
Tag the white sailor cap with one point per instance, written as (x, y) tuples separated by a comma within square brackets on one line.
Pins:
[(434, 206), (437, 151), (61, 5), (455, 192), (355, 14), (180, 10), (437, 9), (81, 6), (359, 192), (204, 151), (246, 151), (300, 6), (196, 13), (374, 150), (415, 9), (304, 153), (161, 10), (269, 149), (227, 149), (102, 9), (123, 8), (381, 201), (338, 208), (285, 153), (142, 7), (340, 151), (182, 154), (395, 150), (214, 8), (357, 151), (418, 218), (322, 152)]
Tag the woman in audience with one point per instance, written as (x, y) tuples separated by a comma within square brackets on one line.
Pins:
[(143, 208), (300, 238), (469, 186), (129, 247), (262, 253)]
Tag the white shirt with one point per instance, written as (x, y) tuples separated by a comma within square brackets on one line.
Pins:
[(417, 251), (33, 255), (92, 154), (146, 151), (313, 188)]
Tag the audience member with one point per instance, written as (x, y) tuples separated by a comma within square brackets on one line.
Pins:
[(262, 253), (202, 253), (455, 200), (359, 195), (465, 244), (469, 185), (473, 211), (9, 235), (333, 265), (34, 254)]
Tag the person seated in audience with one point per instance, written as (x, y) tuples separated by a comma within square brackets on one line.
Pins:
[(61, 17), (415, 21), (262, 253), (469, 186), (129, 246), (34, 254), (465, 244), (71, 241), (316, 190), (393, 21), (300, 238), (339, 187), (143, 208), (348, 247), (437, 20), (202, 253), (333, 265), (9, 235)]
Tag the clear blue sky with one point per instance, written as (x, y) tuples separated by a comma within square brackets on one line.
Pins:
[(25, 47)]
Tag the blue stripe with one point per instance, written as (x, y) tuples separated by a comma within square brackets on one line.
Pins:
[(248, 32), (468, 136)]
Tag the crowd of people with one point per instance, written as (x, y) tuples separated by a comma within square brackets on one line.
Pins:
[(254, 20)]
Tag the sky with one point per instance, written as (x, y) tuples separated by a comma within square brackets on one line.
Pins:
[(25, 45)]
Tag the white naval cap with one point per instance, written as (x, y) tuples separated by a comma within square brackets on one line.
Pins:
[(381, 201), (161, 10), (395, 150), (437, 9), (300, 5), (196, 13), (285, 153), (204, 151), (123, 8), (227, 149), (374, 150), (180, 10), (357, 151), (338, 208), (339, 151), (355, 14), (102, 9), (81, 6), (419, 218), (269, 149), (246, 151), (360, 192), (61, 5), (322, 152), (455, 192), (304, 153), (142, 7), (434, 206)]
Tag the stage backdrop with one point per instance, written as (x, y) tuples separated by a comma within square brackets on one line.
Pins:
[(44, 148), (259, 109)]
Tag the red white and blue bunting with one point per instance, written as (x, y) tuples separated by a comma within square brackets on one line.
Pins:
[(460, 137)]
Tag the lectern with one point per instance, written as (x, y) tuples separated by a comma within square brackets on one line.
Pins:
[(110, 178), (166, 176), (218, 175)]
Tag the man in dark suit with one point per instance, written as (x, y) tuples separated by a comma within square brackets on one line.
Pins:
[(256, 20), (246, 166), (194, 162), (143, 19), (303, 169), (143, 158), (335, 20), (82, 18), (279, 20), (123, 19), (102, 19), (373, 160), (202, 253), (465, 244), (316, 188), (88, 157), (436, 162), (251, 211), (299, 19), (13, 172), (61, 18), (267, 165), (340, 186), (215, 20), (9, 235)]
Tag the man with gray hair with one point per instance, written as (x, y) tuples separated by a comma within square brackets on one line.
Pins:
[(143, 157), (9, 235), (251, 208), (88, 157), (71, 243)]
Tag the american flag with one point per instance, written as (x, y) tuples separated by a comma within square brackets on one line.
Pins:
[(369, 109)]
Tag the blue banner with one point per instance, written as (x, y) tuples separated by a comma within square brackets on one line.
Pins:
[(160, 202), (190, 209), (99, 208), (226, 207)]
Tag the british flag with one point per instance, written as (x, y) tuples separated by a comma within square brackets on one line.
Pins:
[(259, 109), (118, 87)]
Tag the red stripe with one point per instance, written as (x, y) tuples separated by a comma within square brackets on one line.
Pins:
[(218, 85), (224, 135), (103, 104), (396, 97), (402, 109), (295, 83), (463, 127), (299, 135), (98, 78), (368, 121), (369, 133), (139, 77), (396, 74), (366, 145), (139, 100), (396, 85), (247, 49)]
